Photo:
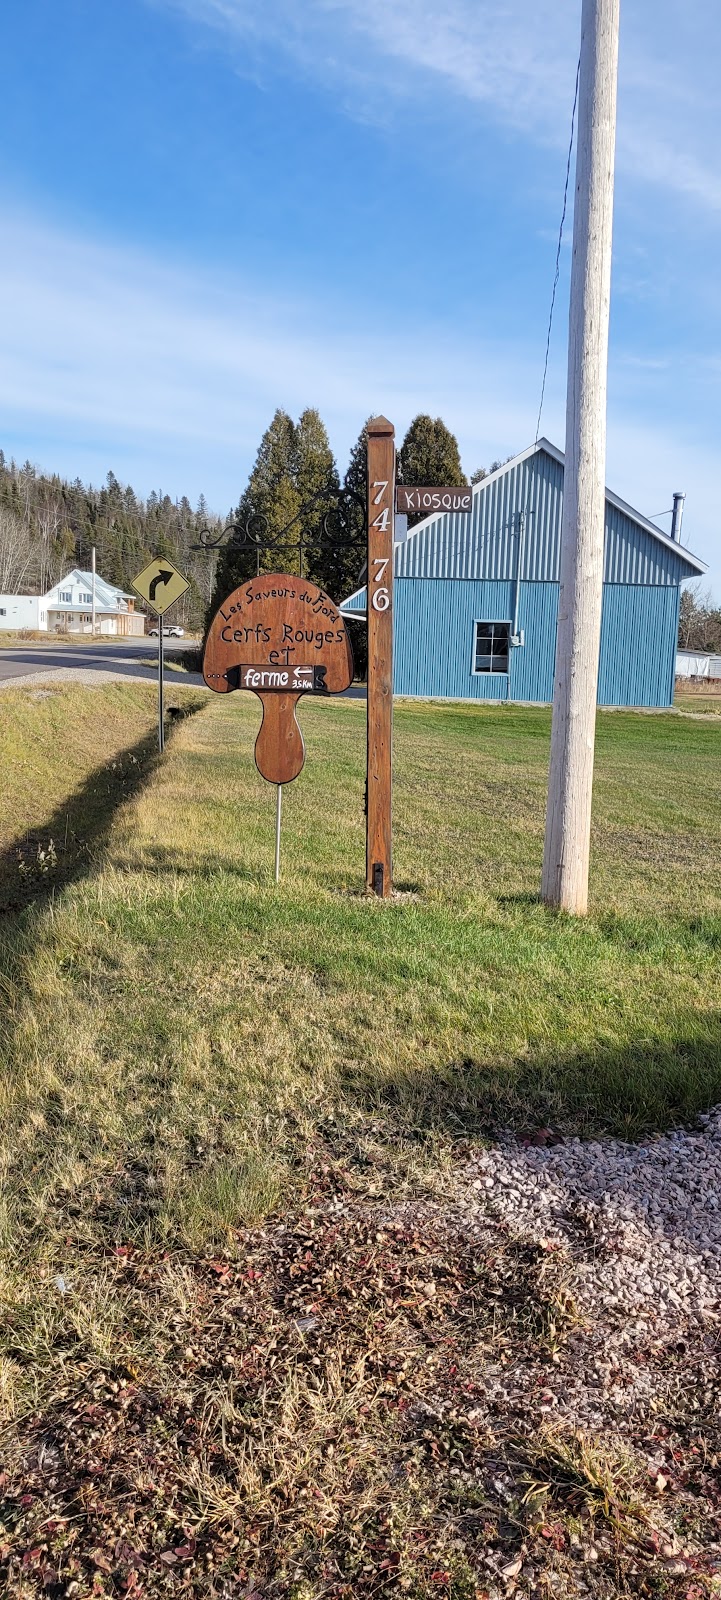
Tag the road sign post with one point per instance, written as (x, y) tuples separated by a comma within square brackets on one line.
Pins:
[(161, 693), (381, 499), (160, 585)]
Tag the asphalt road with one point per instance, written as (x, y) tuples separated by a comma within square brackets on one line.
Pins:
[(113, 655), (123, 656)]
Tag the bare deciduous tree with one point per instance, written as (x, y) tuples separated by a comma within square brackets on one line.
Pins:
[(17, 553)]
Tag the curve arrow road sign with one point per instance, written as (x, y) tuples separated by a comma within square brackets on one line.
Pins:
[(160, 585)]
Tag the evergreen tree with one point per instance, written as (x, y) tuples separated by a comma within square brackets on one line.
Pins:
[(60, 522), (429, 454), (343, 563), (267, 505), (317, 479), (352, 562), (356, 478)]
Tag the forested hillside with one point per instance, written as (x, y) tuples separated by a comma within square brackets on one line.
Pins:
[(48, 525)]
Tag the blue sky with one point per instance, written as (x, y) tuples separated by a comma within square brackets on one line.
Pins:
[(213, 207)]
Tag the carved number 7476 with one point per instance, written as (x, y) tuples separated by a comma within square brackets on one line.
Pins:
[(380, 597)]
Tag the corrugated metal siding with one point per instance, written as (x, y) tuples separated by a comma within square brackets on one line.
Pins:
[(633, 556), (357, 602), (532, 663), (485, 544), (434, 636), (482, 545), (639, 629)]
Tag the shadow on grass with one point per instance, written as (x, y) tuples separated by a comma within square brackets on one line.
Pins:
[(54, 853), (633, 1090), (157, 858), (45, 858)]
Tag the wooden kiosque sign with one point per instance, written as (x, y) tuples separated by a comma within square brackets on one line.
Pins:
[(424, 501), (280, 636)]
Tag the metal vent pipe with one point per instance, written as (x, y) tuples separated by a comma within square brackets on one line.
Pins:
[(677, 517)]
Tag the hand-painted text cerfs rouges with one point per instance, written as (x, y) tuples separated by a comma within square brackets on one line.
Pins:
[(286, 641)]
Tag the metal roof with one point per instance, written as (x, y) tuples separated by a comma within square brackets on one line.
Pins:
[(614, 499), (487, 544)]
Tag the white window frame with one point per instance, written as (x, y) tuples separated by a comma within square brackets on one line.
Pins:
[(490, 622)]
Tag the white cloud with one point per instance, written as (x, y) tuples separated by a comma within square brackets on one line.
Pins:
[(178, 372), (111, 358), (514, 59), (517, 61)]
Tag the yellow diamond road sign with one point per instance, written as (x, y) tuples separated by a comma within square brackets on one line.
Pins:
[(160, 584)]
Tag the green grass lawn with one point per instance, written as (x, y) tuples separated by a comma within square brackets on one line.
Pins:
[(186, 1047), (175, 1014), (698, 697)]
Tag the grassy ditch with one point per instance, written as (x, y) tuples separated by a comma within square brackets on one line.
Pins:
[(188, 1049)]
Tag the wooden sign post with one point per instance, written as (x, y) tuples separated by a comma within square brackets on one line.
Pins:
[(381, 499)]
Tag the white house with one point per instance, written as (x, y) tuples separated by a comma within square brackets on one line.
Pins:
[(68, 608)]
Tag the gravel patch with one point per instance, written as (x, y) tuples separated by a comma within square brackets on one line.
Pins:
[(643, 1221), (94, 678), (500, 1378)]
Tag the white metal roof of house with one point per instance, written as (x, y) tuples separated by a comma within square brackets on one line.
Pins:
[(107, 596)]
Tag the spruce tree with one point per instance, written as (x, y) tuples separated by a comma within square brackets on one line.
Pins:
[(318, 485), (429, 455), (267, 504), (338, 565), (352, 561), (356, 478)]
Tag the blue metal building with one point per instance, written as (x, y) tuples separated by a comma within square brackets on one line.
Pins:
[(476, 595)]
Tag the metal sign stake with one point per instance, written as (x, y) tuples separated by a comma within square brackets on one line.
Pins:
[(161, 694), (278, 809), (162, 576)]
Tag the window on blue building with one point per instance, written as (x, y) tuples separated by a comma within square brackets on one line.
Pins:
[(492, 646)]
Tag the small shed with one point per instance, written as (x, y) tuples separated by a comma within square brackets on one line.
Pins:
[(698, 664), (476, 595)]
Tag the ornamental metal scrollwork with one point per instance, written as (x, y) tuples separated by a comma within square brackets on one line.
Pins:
[(343, 525)]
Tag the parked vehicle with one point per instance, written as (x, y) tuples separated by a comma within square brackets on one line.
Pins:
[(168, 633)]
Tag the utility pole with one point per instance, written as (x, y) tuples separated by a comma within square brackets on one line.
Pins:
[(93, 587), (568, 817)]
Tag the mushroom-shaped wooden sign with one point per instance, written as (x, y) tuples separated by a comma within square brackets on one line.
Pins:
[(282, 637)]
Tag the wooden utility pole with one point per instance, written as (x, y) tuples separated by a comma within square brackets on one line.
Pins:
[(568, 818), (381, 505)]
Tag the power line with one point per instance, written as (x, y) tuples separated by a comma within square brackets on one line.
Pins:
[(558, 252)]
